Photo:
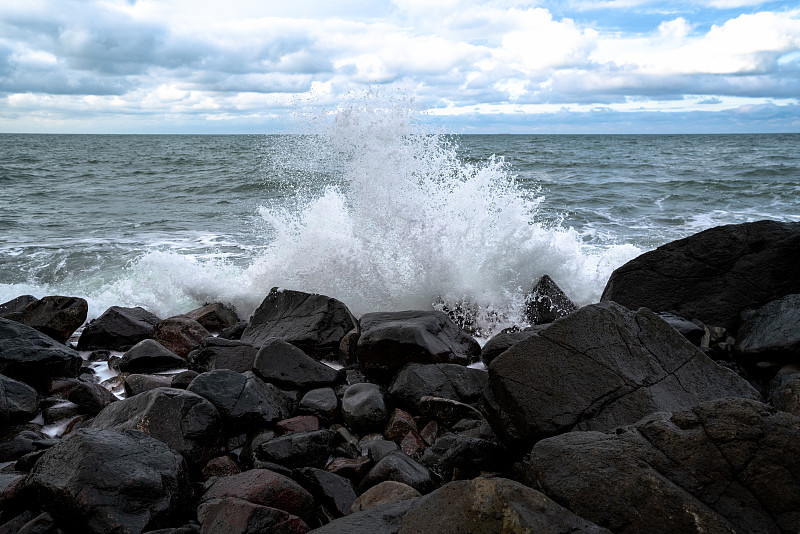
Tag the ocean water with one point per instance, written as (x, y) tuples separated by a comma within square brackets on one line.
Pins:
[(373, 208)]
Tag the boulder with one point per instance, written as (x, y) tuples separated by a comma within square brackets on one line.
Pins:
[(351, 468), (363, 408), (18, 402), (118, 329), (220, 353), (301, 423), (713, 275), (179, 334), (230, 515), (784, 391), (378, 448), (29, 356), (600, 367), (149, 356), (333, 492), (263, 487), (446, 380), (466, 456), (13, 308), (90, 396), (104, 481), (728, 465), (298, 449), (384, 493), (282, 363), (488, 506), (321, 402), (383, 519), (18, 440), (547, 302), (234, 332), (221, 466), (135, 384), (186, 422), (771, 332), (399, 467), (447, 412), (503, 341), (183, 379), (314, 323), (214, 317), (244, 401), (389, 340), (55, 316), (691, 331)]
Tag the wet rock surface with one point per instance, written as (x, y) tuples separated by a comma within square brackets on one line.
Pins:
[(29, 356), (118, 328)]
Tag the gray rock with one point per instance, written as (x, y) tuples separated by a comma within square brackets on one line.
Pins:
[(18, 402), (282, 363), (314, 323), (383, 519), (118, 329), (466, 455), (379, 448), (55, 316), (691, 331), (149, 356), (601, 367), (19, 440), (29, 356), (231, 515), (90, 397), (386, 492), (389, 340), (784, 392), (214, 317), (14, 307), (500, 343), (547, 302), (136, 384), (335, 493), (298, 449), (364, 409), (220, 353), (445, 380), (321, 402), (771, 332), (399, 467), (713, 275), (728, 465), (179, 334), (488, 506)]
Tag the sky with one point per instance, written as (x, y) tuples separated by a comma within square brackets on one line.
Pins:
[(498, 66)]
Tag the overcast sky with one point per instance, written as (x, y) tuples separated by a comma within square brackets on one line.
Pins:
[(557, 66)]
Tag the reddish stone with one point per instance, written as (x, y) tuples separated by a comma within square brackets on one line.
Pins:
[(214, 317), (181, 335), (354, 469), (429, 433), (231, 515), (347, 347), (412, 445), (264, 487), (400, 424), (301, 423), (221, 466)]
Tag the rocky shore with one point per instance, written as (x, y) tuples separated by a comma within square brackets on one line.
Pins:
[(672, 406)]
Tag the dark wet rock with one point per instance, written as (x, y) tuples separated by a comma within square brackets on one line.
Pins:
[(220, 353), (221, 466), (55, 316), (214, 317), (149, 356), (282, 363), (445, 380), (377, 449), (314, 323), (547, 302), (784, 392), (29, 356), (11, 498), (300, 423), (118, 329), (41, 524), (14, 307), (18, 402), (321, 402), (389, 340), (104, 481), (383, 519), (713, 275), (180, 335), (467, 455), (90, 397), (243, 400), (503, 341), (488, 506), (363, 408), (446, 411), (234, 332), (299, 449), (183, 379), (136, 384), (230, 515), (400, 423), (691, 331), (386, 492), (13, 525), (347, 347), (728, 465), (412, 445), (331, 491), (100, 355), (17, 441), (263, 487), (600, 367), (186, 422), (55, 410), (399, 467), (351, 468), (771, 332)]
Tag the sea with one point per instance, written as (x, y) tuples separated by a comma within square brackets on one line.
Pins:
[(372, 206)]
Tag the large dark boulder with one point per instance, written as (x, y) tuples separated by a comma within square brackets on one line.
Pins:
[(244, 401), (32, 357), (488, 506), (90, 396), (103, 481), (282, 363), (263, 487), (600, 367), (399, 467), (150, 356), (18, 402), (54, 316), (214, 317), (384, 519), (547, 302), (728, 465), (447, 380), (185, 421), (298, 449), (713, 275), (467, 455), (503, 341), (179, 334), (12, 308), (771, 332), (220, 353), (314, 323), (118, 328), (231, 515), (333, 492), (389, 340), (363, 408)]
